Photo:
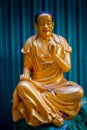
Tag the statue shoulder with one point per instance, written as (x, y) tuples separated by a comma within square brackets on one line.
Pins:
[(28, 44), (65, 44)]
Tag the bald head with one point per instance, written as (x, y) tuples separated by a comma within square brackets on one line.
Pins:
[(42, 13)]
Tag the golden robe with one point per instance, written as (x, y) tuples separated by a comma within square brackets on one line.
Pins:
[(47, 97)]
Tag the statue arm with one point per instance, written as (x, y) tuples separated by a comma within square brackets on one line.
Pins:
[(62, 55), (26, 68), (65, 63)]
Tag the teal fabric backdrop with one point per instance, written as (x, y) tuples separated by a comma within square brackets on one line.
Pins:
[(17, 24)]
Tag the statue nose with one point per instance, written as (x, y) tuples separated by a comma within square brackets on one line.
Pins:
[(45, 25)]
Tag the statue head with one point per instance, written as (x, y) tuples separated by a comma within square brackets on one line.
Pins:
[(44, 23)]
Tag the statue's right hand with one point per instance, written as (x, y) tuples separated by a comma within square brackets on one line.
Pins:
[(24, 77)]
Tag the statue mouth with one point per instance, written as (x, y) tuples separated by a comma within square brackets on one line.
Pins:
[(46, 30)]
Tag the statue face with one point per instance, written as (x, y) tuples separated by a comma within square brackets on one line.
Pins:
[(44, 24)]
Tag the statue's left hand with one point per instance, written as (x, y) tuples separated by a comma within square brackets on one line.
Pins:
[(60, 51), (52, 50)]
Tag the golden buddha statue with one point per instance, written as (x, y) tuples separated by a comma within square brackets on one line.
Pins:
[(46, 96)]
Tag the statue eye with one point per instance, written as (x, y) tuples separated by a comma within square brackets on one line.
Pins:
[(50, 22), (41, 23)]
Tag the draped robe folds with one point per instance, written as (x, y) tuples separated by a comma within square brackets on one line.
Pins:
[(47, 97)]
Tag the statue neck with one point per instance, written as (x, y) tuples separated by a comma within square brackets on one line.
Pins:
[(44, 39)]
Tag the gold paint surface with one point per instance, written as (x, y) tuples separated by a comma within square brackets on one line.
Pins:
[(46, 97)]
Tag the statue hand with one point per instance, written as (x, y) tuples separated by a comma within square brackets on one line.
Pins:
[(24, 77), (52, 49), (60, 51)]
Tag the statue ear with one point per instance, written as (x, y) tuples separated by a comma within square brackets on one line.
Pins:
[(53, 26), (36, 27)]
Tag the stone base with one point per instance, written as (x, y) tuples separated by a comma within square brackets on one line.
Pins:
[(21, 125), (78, 123)]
